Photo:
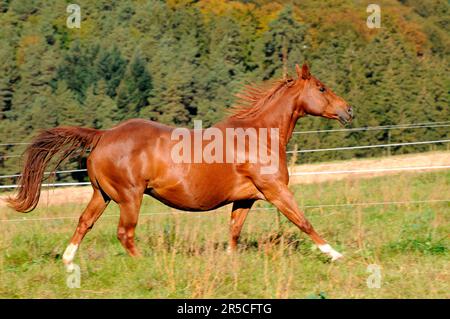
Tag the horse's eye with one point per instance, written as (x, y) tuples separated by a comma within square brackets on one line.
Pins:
[(322, 89)]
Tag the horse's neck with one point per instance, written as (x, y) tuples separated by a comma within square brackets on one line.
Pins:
[(278, 113)]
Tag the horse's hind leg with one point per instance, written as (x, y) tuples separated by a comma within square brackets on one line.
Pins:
[(129, 212), (90, 215)]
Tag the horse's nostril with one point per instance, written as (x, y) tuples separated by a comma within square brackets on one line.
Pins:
[(350, 110)]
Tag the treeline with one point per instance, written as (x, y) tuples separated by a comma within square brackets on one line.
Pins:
[(179, 60)]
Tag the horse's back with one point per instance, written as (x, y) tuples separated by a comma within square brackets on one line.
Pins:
[(138, 124)]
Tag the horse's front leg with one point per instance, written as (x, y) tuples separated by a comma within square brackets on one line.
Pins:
[(279, 194), (239, 213), (129, 212), (129, 200)]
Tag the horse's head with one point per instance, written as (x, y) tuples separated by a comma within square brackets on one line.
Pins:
[(318, 100)]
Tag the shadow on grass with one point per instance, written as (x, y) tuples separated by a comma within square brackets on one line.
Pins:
[(267, 243)]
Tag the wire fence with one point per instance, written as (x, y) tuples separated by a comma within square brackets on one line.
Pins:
[(373, 170), (386, 127), (14, 144), (355, 129), (48, 173), (212, 212), (383, 127), (50, 185), (359, 171), (288, 152), (10, 156), (366, 146)]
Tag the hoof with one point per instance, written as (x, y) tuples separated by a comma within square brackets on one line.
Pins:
[(69, 255), (327, 249), (69, 267), (230, 250), (336, 256)]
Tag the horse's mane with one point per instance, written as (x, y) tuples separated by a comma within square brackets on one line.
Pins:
[(252, 98)]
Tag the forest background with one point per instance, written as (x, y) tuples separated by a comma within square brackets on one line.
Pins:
[(179, 60)]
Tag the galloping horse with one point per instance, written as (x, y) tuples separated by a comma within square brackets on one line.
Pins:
[(132, 159)]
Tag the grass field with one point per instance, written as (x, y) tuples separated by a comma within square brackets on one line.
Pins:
[(185, 254)]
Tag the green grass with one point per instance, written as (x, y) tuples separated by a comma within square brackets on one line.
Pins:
[(185, 255)]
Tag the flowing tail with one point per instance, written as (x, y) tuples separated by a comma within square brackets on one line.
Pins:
[(61, 140)]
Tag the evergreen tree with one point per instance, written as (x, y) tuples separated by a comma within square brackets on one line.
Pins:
[(165, 103), (4, 5), (101, 109), (111, 67), (43, 112), (180, 50), (78, 68), (282, 44), (8, 76), (37, 72), (224, 71), (69, 110), (134, 89)]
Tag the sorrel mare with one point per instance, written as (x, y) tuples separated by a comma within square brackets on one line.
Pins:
[(134, 158)]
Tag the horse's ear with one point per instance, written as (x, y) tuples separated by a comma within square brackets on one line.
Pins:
[(304, 73), (298, 70)]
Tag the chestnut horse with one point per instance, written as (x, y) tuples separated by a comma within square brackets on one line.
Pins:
[(132, 159)]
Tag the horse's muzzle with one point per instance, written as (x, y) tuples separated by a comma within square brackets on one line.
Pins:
[(346, 115)]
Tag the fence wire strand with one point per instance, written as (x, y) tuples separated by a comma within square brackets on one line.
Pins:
[(221, 211)]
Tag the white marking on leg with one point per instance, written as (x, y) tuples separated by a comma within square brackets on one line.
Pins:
[(70, 267), (327, 249), (69, 255)]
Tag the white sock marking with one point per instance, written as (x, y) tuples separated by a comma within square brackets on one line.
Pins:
[(327, 249), (69, 254)]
